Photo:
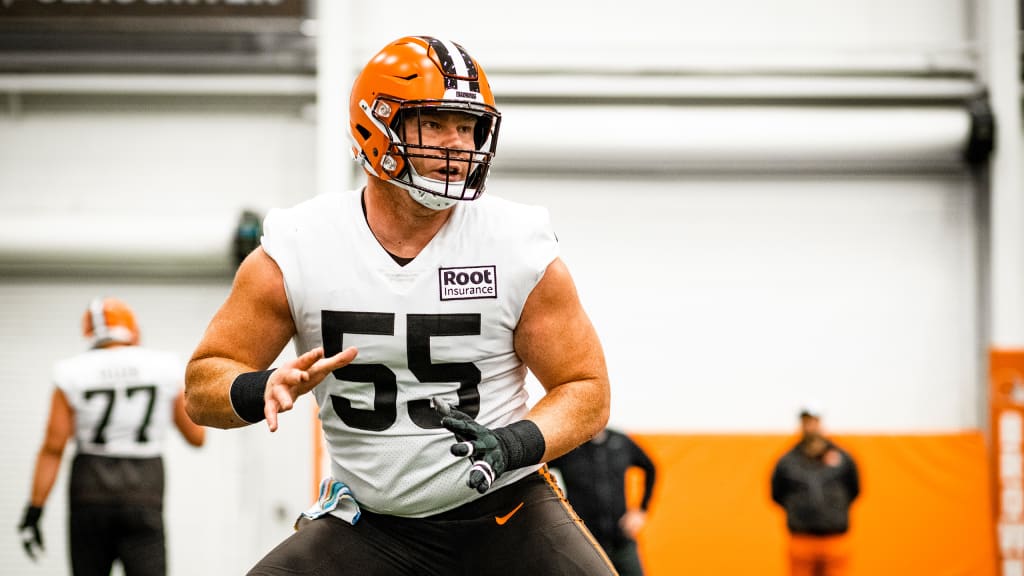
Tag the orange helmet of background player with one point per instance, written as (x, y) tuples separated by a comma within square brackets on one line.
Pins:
[(109, 321), (410, 75)]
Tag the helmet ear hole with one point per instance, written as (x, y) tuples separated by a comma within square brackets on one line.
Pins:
[(363, 131)]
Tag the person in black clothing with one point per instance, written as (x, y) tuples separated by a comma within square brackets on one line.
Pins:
[(594, 478), (816, 482)]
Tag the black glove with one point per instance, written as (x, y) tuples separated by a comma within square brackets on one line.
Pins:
[(492, 451), (31, 538)]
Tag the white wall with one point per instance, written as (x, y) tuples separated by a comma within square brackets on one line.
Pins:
[(723, 297), (102, 179), (724, 302), (651, 35)]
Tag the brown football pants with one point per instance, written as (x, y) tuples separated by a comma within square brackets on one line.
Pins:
[(524, 529)]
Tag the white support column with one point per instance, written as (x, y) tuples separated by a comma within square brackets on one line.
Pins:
[(334, 78), (1000, 69)]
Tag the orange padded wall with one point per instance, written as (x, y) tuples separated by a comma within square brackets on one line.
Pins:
[(925, 506)]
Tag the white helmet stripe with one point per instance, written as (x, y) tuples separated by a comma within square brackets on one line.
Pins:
[(456, 65), (458, 60), (99, 319)]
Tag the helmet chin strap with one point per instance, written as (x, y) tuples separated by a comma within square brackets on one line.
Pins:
[(432, 201), (435, 198)]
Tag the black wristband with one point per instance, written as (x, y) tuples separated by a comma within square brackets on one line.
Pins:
[(247, 395), (522, 443)]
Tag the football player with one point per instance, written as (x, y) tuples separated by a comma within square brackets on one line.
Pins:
[(117, 401), (417, 304)]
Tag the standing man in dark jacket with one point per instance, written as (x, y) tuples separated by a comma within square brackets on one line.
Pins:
[(816, 482), (594, 478)]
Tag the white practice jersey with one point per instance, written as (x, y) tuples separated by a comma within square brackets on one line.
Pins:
[(441, 325), (123, 398)]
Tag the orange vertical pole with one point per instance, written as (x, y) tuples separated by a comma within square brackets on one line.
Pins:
[(318, 452), (1006, 448)]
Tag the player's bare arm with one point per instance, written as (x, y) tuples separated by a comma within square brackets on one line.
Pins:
[(59, 429), (247, 334), (558, 343)]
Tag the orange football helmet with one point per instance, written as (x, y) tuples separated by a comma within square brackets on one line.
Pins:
[(408, 76), (109, 320)]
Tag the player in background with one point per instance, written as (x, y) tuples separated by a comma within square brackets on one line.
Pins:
[(117, 401)]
